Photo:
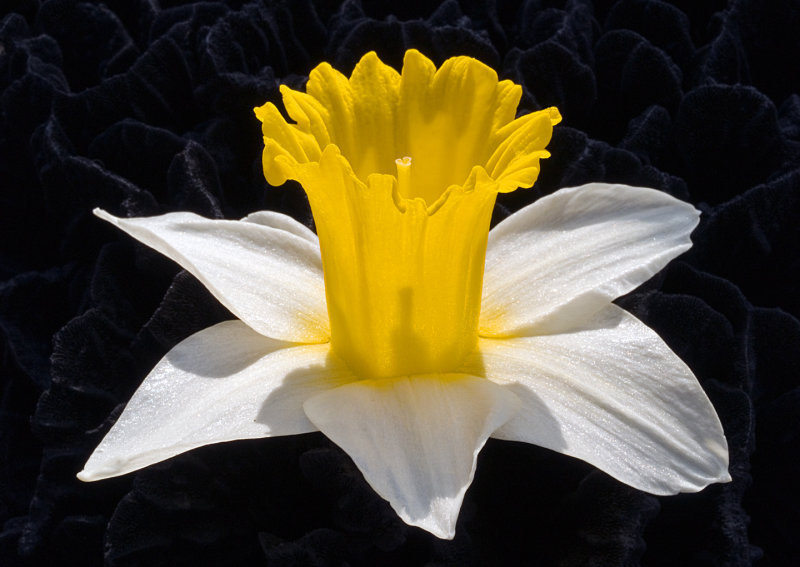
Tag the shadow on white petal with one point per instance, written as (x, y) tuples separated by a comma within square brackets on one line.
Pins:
[(279, 410), (534, 410), (223, 383), (416, 439), (622, 401)]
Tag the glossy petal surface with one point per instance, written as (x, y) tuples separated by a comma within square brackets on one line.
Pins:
[(416, 439), (270, 278), (612, 393), (556, 262), (223, 383)]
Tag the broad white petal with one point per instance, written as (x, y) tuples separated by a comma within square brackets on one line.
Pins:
[(269, 278), (280, 221), (556, 262), (224, 383), (614, 395), (416, 439)]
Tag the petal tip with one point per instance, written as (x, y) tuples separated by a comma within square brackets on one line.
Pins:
[(102, 213), (102, 465), (94, 473), (260, 111), (106, 216), (555, 115), (370, 56), (415, 55), (91, 475), (443, 528), (725, 477)]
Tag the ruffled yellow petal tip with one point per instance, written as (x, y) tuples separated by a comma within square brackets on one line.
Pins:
[(555, 115), (448, 120)]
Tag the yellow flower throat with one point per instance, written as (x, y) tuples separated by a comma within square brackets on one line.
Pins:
[(402, 171)]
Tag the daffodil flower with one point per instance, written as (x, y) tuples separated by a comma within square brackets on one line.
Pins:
[(406, 331)]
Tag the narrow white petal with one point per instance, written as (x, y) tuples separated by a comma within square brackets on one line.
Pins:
[(416, 439), (556, 262), (270, 278), (280, 221), (224, 383), (614, 395)]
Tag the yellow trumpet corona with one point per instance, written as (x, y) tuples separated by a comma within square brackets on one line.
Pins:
[(402, 171)]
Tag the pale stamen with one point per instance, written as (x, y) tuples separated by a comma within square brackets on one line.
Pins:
[(403, 175)]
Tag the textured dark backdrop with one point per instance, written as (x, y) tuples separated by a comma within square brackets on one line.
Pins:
[(145, 106)]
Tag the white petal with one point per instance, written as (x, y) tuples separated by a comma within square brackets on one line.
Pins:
[(282, 222), (556, 262), (614, 395), (224, 383), (268, 277), (416, 439)]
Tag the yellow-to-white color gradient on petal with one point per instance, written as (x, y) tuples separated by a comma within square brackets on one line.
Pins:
[(408, 333)]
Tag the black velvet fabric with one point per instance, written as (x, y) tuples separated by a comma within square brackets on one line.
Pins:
[(144, 107)]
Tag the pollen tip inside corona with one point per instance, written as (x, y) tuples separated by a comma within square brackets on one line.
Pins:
[(403, 176)]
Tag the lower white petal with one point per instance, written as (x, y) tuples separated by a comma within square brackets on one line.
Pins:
[(416, 439), (613, 394), (223, 383)]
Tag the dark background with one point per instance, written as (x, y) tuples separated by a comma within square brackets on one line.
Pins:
[(145, 106)]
